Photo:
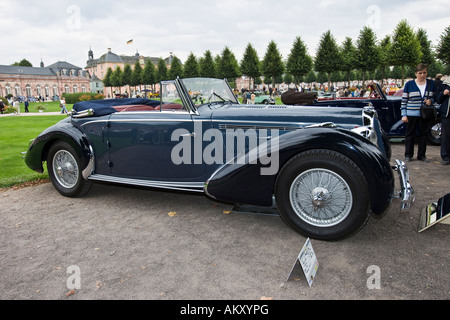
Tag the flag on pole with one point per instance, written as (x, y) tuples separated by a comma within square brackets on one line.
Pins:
[(130, 41)]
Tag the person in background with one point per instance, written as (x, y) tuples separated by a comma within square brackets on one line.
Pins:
[(415, 93), (443, 98), (63, 105), (26, 105)]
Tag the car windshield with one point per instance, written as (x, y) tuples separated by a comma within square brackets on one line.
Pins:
[(208, 90)]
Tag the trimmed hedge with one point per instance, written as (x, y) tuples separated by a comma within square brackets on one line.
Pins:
[(72, 98)]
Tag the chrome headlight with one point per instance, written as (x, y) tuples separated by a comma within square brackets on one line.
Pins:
[(367, 129)]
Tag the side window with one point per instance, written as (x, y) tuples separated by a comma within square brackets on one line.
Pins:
[(170, 97)]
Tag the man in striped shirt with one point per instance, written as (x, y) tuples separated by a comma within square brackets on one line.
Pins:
[(416, 93)]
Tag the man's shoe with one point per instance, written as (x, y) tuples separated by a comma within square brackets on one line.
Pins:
[(424, 159), (445, 162), (407, 159)]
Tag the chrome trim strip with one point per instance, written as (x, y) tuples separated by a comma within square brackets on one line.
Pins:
[(90, 167), (183, 186), (406, 194)]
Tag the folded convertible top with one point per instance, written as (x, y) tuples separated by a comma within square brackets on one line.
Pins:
[(105, 107)]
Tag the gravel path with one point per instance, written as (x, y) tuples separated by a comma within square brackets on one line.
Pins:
[(127, 243)]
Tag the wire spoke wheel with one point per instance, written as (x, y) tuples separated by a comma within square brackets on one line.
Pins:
[(322, 194), (65, 169), (320, 197)]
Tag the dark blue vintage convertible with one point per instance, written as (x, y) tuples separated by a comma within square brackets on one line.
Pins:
[(387, 108), (325, 170)]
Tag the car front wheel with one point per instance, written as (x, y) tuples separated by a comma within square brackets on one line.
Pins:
[(64, 169), (322, 194)]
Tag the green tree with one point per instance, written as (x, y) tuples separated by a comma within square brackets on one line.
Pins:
[(311, 77), (176, 68), (23, 63), (443, 48), (149, 74), (328, 58), (385, 60), (250, 63), (207, 66), (299, 62), (367, 53), (126, 76), (348, 54), (228, 66), (107, 80), (161, 73), (272, 64), (116, 78), (425, 45), (136, 76), (405, 49), (191, 67)]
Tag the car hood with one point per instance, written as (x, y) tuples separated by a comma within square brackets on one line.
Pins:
[(296, 116)]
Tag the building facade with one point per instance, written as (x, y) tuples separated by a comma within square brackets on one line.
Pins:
[(97, 68), (45, 82)]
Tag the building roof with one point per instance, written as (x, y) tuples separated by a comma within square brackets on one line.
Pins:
[(27, 70), (51, 70), (63, 65), (115, 58)]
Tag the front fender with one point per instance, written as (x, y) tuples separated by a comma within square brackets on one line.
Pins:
[(63, 130), (244, 183)]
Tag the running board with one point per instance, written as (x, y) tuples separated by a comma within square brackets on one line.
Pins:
[(182, 186)]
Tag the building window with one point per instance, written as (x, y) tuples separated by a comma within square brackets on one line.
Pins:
[(83, 88), (28, 89), (66, 89), (17, 90), (75, 88), (47, 91), (38, 90)]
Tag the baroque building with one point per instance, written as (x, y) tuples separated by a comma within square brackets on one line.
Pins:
[(97, 68), (45, 82)]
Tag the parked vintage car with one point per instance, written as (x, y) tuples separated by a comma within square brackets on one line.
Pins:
[(387, 108), (325, 172), (262, 98)]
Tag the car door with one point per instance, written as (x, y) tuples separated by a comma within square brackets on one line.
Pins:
[(142, 143)]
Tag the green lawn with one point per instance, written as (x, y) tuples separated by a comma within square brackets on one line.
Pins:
[(52, 106), (15, 134)]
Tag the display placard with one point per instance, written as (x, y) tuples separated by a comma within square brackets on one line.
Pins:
[(308, 261)]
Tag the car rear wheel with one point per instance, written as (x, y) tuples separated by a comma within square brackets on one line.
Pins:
[(323, 194), (64, 169)]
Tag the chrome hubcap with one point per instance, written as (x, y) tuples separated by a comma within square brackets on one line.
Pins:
[(65, 169), (321, 197)]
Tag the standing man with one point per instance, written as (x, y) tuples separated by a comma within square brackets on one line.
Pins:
[(416, 93), (26, 105), (443, 98), (63, 105)]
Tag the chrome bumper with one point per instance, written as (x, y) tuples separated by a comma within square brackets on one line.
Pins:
[(406, 194)]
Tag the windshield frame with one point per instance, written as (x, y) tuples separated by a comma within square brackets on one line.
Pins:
[(215, 90)]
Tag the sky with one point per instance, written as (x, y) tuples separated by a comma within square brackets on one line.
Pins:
[(65, 30)]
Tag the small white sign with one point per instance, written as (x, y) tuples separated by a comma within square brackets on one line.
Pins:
[(308, 261)]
